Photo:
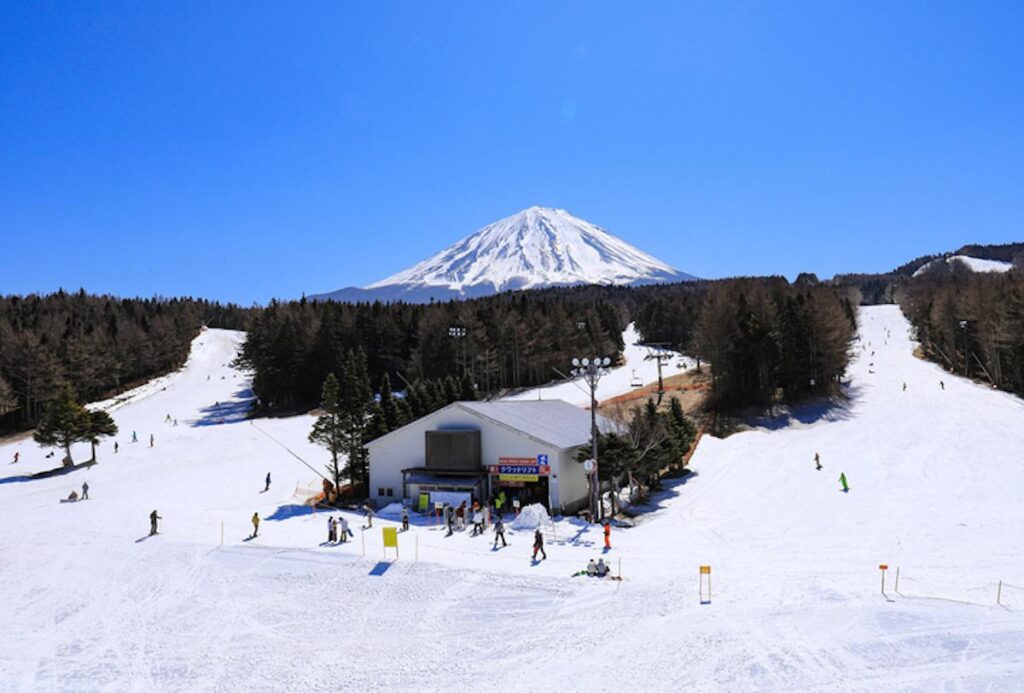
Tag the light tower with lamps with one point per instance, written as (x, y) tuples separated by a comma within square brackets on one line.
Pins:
[(591, 371)]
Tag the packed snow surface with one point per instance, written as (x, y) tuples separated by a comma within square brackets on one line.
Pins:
[(90, 602), (973, 263), (538, 246), (638, 369), (531, 517)]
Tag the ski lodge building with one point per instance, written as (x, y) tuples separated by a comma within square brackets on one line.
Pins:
[(474, 450)]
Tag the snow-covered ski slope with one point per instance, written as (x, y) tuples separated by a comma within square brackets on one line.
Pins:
[(796, 604), (636, 371), (974, 264)]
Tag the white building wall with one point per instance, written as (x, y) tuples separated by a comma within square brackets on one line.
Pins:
[(405, 448)]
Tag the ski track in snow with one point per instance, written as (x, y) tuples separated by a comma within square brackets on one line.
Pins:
[(91, 604)]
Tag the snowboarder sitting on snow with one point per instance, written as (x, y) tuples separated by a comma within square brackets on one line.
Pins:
[(602, 568), (591, 568), (73, 496)]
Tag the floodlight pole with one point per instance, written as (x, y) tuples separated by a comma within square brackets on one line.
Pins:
[(591, 371)]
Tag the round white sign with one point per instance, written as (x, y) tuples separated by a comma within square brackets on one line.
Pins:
[(588, 466)]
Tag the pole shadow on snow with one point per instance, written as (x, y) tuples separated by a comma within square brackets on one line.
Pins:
[(381, 568), (231, 411)]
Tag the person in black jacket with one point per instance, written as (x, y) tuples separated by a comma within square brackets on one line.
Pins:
[(538, 545), (153, 517), (499, 532)]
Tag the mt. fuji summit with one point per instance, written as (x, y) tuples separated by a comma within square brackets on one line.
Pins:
[(537, 247)]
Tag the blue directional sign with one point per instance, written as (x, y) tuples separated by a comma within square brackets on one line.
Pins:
[(542, 459)]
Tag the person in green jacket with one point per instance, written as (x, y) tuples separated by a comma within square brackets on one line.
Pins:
[(499, 503), (842, 480)]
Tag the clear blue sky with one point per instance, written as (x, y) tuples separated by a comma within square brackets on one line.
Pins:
[(241, 151)]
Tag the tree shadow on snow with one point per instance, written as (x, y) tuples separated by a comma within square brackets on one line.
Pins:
[(46, 474), (285, 512), (229, 412), (811, 412), (656, 500)]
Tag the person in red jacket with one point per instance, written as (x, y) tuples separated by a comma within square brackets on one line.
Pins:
[(607, 533)]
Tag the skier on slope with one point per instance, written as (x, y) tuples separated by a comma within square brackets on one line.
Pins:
[(332, 530), (85, 490), (345, 531), (16, 456), (607, 534), (538, 545), (116, 446), (842, 480), (267, 487), (135, 437), (152, 440), (405, 519), (817, 462), (499, 532), (369, 516), (153, 517), (255, 524)]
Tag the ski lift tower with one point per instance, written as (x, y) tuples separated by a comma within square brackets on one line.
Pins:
[(658, 351)]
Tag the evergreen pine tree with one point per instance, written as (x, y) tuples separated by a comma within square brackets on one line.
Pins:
[(99, 424), (356, 401), (467, 393), (65, 422), (389, 410), (327, 429), (451, 390)]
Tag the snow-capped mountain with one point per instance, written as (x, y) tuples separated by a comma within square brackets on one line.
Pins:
[(537, 247)]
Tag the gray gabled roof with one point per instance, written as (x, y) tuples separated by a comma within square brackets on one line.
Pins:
[(551, 421), (555, 422)]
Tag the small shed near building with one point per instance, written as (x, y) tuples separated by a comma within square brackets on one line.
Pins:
[(477, 449)]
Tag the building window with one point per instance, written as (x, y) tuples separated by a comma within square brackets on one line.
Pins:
[(390, 491)]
